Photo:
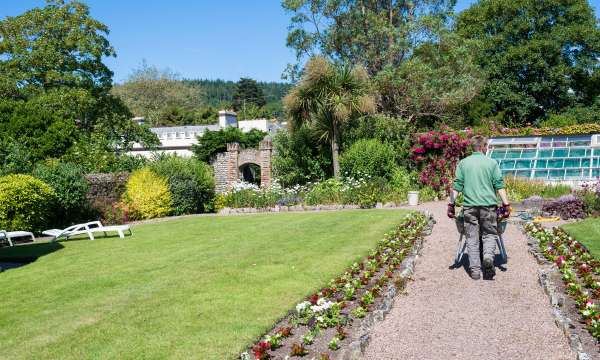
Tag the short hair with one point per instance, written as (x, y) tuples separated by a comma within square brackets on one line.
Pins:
[(479, 142)]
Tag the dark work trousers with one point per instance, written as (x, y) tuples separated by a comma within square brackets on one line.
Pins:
[(480, 221)]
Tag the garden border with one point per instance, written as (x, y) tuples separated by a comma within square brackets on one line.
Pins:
[(547, 275), (353, 347), (356, 349)]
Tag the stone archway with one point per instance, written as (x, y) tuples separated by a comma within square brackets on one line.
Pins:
[(228, 165)]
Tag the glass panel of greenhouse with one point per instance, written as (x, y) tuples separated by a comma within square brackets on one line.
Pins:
[(548, 158)]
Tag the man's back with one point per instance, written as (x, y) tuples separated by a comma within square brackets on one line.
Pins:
[(478, 177)]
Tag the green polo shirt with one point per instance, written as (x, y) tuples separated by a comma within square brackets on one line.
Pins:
[(478, 177)]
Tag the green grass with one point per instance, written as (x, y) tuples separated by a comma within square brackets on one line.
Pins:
[(588, 233), (200, 288)]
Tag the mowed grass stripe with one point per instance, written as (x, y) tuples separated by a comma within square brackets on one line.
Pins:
[(198, 288), (586, 232)]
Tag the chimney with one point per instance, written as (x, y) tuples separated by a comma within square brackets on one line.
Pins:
[(227, 118)]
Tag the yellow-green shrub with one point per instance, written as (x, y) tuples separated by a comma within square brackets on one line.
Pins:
[(26, 203), (147, 195)]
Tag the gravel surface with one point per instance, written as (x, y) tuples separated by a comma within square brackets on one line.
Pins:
[(446, 315)]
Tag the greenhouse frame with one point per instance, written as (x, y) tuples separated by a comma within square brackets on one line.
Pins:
[(560, 158)]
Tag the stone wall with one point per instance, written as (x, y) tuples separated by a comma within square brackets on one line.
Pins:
[(227, 165)]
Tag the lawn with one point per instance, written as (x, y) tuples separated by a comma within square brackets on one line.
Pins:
[(588, 233), (202, 287)]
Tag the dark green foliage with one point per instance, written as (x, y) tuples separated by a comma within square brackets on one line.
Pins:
[(59, 45), (95, 155), (368, 158), (36, 130), (191, 184), (247, 92), (214, 142), (386, 129), (540, 56), (70, 187), (299, 157), (219, 93), (15, 157)]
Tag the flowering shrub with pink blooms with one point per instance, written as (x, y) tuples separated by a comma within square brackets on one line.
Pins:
[(438, 152)]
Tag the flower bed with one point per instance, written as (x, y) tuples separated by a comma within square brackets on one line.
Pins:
[(580, 271), (332, 318)]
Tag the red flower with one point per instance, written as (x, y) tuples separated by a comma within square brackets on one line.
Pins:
[(419, 150), (260, 350)]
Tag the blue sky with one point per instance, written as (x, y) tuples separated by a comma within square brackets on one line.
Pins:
[(224, 39)]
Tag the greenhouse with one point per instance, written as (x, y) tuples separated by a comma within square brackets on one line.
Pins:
[(572, 158)]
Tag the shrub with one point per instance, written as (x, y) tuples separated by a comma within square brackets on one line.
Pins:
[(26, 203), (299, 157), (369, 157), (69, 184), (590, 195), (191, 184), (401, 182), (244, 195), (567, 207), (330, 191), (147, 195), (438, 152)]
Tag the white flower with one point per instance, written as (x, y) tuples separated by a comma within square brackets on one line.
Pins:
[(302, 306)]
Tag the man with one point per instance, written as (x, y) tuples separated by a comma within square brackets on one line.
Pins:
[(479, 178)]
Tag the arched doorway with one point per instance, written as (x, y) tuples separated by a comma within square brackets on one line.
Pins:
[(250, 173)]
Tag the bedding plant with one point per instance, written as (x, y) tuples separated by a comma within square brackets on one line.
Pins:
[(320, 325), (580, 271)]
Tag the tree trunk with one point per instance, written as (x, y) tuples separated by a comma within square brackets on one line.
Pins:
[(335, 149)]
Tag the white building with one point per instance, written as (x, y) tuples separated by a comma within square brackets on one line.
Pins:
[(179, 139)]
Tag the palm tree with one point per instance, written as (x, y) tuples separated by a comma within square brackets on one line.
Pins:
[(325, 97)]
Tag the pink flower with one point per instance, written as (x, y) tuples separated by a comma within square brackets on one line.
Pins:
[(419, 150)]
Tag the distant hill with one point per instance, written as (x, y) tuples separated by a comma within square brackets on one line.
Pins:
[(221, 91)]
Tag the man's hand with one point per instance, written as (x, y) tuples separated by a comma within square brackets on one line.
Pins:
[(451, 211), (505, 211)]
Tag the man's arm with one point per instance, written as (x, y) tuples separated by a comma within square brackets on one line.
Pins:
[(459, 182), (453, 196), (503, 196)]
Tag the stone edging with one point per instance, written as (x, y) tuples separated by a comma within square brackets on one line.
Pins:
[(355, 350), (557, 299), (297, 208)]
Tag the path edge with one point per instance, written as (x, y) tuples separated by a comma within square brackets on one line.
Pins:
[(557, 299), (356, 349)]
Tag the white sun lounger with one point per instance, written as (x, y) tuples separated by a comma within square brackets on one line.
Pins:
[(88, 229), (9, 235)]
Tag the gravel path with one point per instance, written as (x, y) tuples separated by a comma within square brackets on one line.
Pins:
[(446, 315)]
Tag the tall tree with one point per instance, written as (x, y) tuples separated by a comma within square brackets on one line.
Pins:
[(327, 96), (434, 84), (372, 33), (247, 92), (540, 56), (154, 94), (54, 87), (54, 46)]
